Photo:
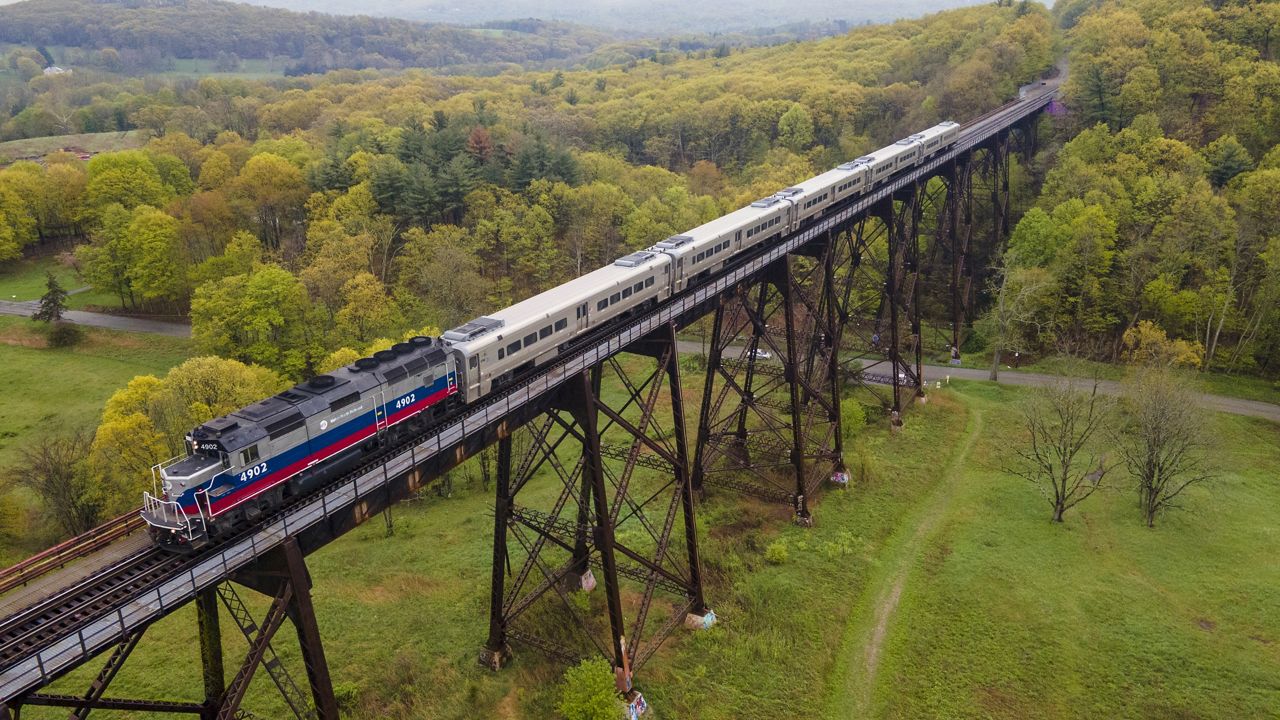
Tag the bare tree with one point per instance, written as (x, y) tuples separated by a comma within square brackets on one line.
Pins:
[(1162, 444), (56, 470), (1061, 420), (1020, 296)]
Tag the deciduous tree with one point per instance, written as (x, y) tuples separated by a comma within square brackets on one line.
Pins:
[(1163, 441), (1061, 424)]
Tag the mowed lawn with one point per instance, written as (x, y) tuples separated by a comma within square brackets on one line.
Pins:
[(1006, 615), (49, 390)]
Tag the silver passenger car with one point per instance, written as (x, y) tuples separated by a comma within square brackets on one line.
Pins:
[(490, 350)]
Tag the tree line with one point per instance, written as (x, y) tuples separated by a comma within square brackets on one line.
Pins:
[(303, 223)]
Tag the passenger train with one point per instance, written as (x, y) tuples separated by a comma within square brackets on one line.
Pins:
[(243, 465)]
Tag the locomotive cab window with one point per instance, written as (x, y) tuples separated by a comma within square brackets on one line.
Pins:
[(226, 459), (249, 455), (473, 362)]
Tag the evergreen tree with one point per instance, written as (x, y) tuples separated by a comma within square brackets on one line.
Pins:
[(54, 302), (1227, 158)]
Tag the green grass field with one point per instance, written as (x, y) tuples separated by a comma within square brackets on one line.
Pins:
[(48, 389), (31, 148), (978, 606), (26, 279)]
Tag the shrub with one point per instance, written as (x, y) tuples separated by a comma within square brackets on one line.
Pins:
[(588, 692), (776, 553), (347, 694), (65, 335), (852, 418)]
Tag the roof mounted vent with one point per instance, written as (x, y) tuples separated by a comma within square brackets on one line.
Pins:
[(674, 241), (788, 192), (420, 341), (385, 356), (635, 259), (766, 202), (321, 381), (402, 348), (365, 364), (473, 329)]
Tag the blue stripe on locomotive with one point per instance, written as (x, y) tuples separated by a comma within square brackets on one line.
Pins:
[(322, 443)]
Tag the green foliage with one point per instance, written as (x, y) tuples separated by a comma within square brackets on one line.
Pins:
[(53, 303), (146, 421), (1227, 158), (852, 418), (64, 334), (588, 692), (795, 128), (261, 317), (776, 553), (128, 178)]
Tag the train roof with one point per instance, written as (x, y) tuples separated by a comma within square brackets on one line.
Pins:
[(552, 301), (254, 422), (727, 223)]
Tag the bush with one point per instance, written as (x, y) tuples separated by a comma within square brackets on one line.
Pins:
[(588, 692), (65, 335), (347, 694), (852, 418), (776, 553), (974, 342)]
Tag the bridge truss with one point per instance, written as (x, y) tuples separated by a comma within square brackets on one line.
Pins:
[(595, 540)]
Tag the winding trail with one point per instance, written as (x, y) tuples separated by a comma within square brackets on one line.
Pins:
[(851, 696)]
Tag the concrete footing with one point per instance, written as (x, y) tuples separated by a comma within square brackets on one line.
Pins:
[(694, 621), (495, 660)]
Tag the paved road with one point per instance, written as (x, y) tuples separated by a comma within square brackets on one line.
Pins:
[(102, 320), (932, 373)]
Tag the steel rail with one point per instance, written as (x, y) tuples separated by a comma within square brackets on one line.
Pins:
[(61, 649)]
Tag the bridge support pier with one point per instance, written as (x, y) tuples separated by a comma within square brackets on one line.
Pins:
[(620, 460), (283, 576), (769, 424)]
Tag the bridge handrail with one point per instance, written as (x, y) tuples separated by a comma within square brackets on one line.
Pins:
[(95, 634), (68, 550)]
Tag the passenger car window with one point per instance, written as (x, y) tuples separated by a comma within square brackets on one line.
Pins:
[(530, 339), (544, 332), (513, 348), (561, 324)]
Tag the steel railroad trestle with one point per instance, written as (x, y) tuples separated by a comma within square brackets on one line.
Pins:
[(844, 303)]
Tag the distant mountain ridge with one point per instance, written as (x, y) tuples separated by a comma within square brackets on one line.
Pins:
[(211, 29), (653, 17)]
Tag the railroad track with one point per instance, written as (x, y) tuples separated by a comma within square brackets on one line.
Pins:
[(59, 619), (31, 628)]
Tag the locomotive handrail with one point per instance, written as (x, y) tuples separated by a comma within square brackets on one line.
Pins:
[(59, 555), (93, 633)]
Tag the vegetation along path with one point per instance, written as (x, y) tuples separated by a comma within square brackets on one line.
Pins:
[(850, 693)]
